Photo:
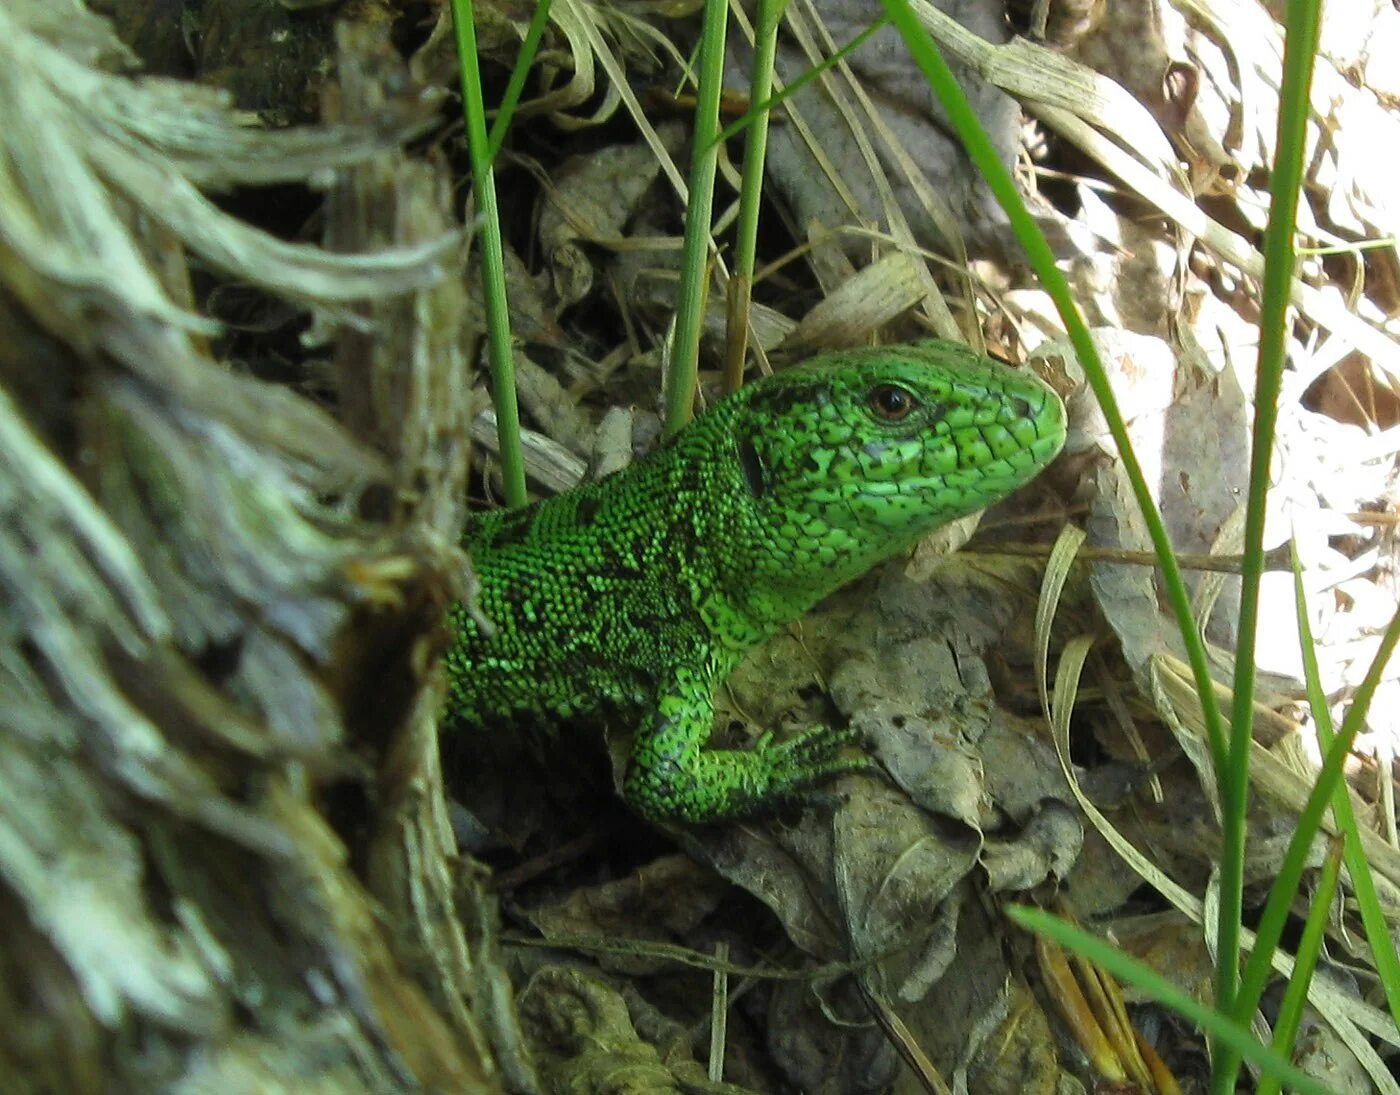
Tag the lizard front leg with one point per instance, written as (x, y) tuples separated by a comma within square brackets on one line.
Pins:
[(672, 778)]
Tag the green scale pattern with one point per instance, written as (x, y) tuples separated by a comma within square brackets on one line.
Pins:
[(633, 597)]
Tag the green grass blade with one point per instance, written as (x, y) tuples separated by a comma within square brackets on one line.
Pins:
[(1222, 1030), (1300, 47), (751, 192), (984, 156), (1326, 788), (490, 248), (1290, 1012), (1372, 917), (695, 266), (516, 86)]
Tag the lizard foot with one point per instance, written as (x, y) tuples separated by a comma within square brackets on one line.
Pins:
[(671, 780), (795, 766)]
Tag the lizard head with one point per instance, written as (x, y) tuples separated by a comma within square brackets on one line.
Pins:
[(856, 455)]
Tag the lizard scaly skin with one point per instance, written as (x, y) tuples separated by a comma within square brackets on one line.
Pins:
[(632, 598)]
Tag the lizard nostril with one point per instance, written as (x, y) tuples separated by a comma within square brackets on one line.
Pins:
[(1020, 408)]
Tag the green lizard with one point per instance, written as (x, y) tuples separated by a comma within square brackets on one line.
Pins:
[(631, 598)]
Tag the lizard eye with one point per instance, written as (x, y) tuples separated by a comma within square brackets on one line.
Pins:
[(891, 402)]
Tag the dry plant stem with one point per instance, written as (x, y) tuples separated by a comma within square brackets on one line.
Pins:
[(576, 21), (1159, 988), (846, 91), (1277, 559), (1065, 991), (925, 1072), (681, 956), (719, 1012)]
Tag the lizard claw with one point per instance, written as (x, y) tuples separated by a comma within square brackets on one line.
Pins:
[(795, 766), (671, 780)]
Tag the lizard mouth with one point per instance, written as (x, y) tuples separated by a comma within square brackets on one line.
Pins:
[(1051, 428)]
